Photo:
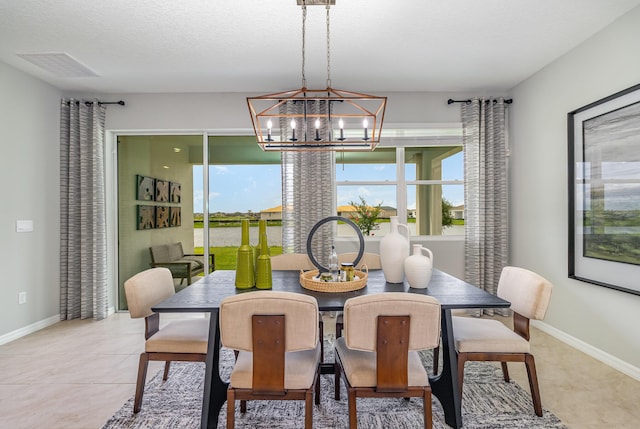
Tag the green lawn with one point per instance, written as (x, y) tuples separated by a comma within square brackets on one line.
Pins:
[(226, 256)]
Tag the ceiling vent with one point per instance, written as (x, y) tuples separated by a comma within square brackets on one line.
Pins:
[(59, 64)]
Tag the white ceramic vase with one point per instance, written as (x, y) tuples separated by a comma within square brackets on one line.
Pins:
[(394, 248), (418, 267)]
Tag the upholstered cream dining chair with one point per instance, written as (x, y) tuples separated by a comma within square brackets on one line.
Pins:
[(297, 262), (491, 340), (276, 335), (291, 261), (371, 260), (180, 340), (378, 355)]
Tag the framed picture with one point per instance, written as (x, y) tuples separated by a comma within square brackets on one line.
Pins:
[(162, 191), (162, 217), (146, 217), (604, 191), (174, 192), (145, 188), (175, 216)]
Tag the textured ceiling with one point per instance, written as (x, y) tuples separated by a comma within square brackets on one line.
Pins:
[(255, 45)]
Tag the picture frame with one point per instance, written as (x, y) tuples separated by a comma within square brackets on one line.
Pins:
[(162, 191), (162, 217), (604, 191), (146, 217), (145, 188), (175, 216), (175, 192)]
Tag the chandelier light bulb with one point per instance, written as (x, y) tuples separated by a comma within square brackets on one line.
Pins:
[(365, 124), (293, 130), (317, 130), (269, 125)]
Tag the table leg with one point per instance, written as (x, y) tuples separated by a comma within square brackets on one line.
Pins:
[(445, 385), (215, 390)]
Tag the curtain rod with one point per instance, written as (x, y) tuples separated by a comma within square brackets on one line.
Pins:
[(451, 101), (100, 103)]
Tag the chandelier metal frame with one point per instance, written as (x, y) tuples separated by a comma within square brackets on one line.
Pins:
[(326, 119)]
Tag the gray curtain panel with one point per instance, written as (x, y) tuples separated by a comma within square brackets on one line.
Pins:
[(308, 190), (83, 250), (484, 123)]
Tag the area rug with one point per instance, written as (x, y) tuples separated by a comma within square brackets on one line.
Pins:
[(488, 403)]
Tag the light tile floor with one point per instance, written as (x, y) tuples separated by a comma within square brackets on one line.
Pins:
[(76, 374)]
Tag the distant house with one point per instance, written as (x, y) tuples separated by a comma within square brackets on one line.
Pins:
[(274, 213), (347, 211), (457, 212), (387, 212)]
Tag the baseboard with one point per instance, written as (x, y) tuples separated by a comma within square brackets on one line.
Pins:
[(18, 333), (604, 357)]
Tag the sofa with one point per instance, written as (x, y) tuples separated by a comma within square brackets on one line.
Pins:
[(182, 266)]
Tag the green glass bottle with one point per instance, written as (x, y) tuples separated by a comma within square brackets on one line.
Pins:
[(245, 274), (262, 229), (263, 267)]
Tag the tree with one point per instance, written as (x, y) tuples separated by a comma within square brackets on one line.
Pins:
[(366, 215), (447, 217)]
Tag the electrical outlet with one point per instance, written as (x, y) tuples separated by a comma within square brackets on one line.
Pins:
[(22, 297)]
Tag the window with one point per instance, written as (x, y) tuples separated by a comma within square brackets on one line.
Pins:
[(422, 183)]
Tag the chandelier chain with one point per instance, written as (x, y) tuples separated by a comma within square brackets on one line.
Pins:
[(328, 48), (304, 32)]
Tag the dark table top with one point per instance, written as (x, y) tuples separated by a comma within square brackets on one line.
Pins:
[(206, 294)]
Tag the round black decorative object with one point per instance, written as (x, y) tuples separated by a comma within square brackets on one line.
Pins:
[(329, 219)]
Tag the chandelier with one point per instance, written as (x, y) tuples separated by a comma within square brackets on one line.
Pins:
[(326, 119)]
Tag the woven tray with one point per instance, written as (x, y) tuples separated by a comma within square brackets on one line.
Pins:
[(308, 281)]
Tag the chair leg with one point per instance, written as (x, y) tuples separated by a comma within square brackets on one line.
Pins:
[(165, 375), (321, 332), (436, 359), (353, 417), (462, 358), (231, 409), (428, 412), (533, 384), (308, 410), (243, 406), (317, 392), (142, 377), (505, 371), (339, 327), (336, 382)]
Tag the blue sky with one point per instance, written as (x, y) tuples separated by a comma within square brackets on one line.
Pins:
[(240, 188)]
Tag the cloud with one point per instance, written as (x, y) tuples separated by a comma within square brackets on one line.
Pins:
[(221, 169)]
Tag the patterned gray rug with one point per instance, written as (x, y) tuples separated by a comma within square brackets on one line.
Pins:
[(488, 403)]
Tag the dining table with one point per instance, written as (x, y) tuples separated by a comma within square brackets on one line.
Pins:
[(206, 295)]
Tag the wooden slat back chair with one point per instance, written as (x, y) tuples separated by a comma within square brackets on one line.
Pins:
[(377, 356), (371, 260), (276, 334), (297, 262), (180, 340), (491, 340)]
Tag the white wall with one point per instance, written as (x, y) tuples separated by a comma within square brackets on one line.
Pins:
[(29, 262), (603, 318)]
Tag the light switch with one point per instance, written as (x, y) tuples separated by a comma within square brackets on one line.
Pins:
[(24, 225)]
